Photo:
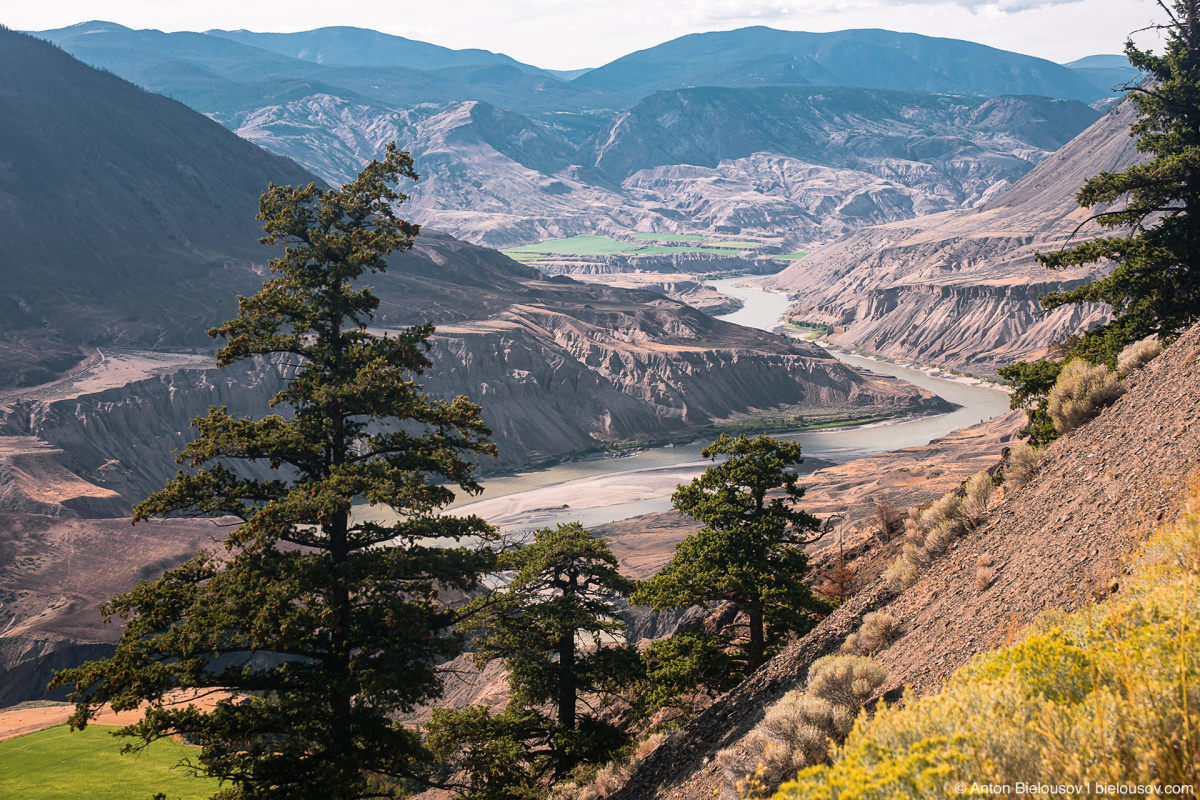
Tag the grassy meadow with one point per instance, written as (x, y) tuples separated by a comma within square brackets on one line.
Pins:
[(58, 764)]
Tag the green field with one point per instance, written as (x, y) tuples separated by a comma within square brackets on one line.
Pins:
[(668, 237), (792, 256), (578, 246), (586, 245), (56, 764)]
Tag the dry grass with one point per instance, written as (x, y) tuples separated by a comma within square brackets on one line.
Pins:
[(1138, 355), (1081, 392)]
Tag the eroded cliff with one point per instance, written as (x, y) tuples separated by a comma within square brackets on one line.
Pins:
[(961, 288)]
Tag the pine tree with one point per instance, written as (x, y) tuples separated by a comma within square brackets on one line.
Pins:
[(751, 549), (317, 626), (1154, 285), (553, 626)]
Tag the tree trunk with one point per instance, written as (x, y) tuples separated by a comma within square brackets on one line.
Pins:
[(566, 695), (758, 647)]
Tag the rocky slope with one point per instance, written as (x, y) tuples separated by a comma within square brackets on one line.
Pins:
[(565, 369), (1056, 543), (961, 288), (56, 571)]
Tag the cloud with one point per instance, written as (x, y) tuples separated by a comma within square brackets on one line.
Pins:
[(994, 6)]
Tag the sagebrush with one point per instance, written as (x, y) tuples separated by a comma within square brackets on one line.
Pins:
[(800, 729), (1138, 355), (1023, 462), (1081, 392), (1109, 694)]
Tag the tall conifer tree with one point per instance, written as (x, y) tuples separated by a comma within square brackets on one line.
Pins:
[(1154, 285), (317, 626)]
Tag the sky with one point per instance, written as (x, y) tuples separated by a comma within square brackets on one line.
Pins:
[(572, 34)]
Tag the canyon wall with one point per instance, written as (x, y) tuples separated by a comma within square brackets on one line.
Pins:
[(960, 288)]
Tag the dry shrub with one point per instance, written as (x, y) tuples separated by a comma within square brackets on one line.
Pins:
[(913, 530), (1080, 393), (1023, 463), (901, 574), (945, 509), (845, 680), (1138, 355), (797, 732), (984, 577), (1107, 694), (887, 519), (974, 505), (878, 630), (938, 540), (839, 579), (647, 746), (917, 555)]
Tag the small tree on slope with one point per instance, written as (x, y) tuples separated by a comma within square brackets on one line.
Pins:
[(1154, 286), (321, 626), (751, 550), (549, 625)]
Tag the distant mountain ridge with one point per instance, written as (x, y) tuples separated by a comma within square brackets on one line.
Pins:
[(798, 162), (1106, 71), (129, 225), (224, 77), (226, 72), (868, 58), (554, 158), (367, 48)]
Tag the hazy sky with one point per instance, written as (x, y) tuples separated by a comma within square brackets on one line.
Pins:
[(568, 34)]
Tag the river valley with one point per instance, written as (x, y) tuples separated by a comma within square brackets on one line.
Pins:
[(610, 488)]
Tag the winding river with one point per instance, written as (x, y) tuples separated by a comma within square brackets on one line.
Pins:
[(609, 488)]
